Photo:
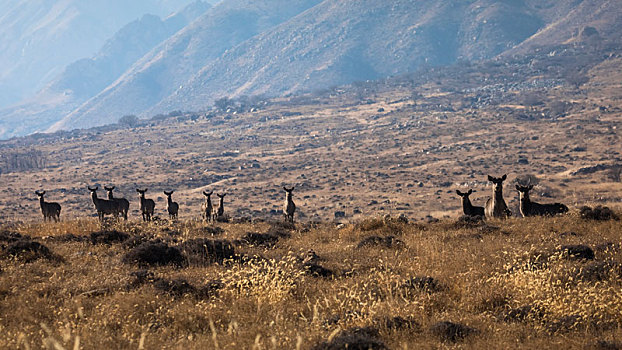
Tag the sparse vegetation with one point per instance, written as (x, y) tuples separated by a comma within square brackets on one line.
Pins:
[(444, 286)]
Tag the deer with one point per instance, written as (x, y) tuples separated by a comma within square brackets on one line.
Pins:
[(495, 205), (529, 208), (221, 208), (467, 207), (124, 204), (289, 208), (147, 206), (50, 210), (207, 206), (173, 207), (104, 206)]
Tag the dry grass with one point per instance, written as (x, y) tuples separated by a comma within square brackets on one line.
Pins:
[(268, 300)]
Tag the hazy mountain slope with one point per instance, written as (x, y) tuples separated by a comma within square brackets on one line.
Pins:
[(86, 77), (162, 71), (339, 42), (603, 15), (40, 37)]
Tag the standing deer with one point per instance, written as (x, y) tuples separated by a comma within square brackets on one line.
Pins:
[(207, 206), (50, 210), (289, 208), (147, 206), (529, 208), (104, 206), (495, 205), (221, 208), (467, 207), (173, 207), (124, 204)]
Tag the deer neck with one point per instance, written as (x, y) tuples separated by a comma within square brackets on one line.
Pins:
[(110, 195), (169, 200), (41, 201), (466, 203)]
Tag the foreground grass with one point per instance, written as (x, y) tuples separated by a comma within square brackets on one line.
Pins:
[(508, 280)]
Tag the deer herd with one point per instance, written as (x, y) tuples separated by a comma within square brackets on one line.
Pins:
[(495, 206)]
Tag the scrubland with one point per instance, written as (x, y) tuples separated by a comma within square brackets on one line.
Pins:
[(377, 283)]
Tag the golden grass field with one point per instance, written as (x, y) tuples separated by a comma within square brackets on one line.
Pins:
[(356, 154), (85, 296)]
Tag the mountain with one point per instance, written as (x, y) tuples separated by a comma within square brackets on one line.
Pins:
[(86, 77), (166, 68), (279, 47), (40, 37)]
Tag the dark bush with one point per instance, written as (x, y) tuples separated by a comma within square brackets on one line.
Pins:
[(212, 230), (10, 237), (260, 239), (521, 314), (599, 213), (154, 254), (422, 283), (397, 323), (108, 237), (27, 251), (387, 242), (577, 252), (598, 271), (141, 277), (367, 338), (69, 237), (135, 241), (451, 332), (202, 251), (317, 270), (177, 287)]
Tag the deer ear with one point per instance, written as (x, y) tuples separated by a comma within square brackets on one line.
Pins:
[(490, 178), (470, 191), (504, 177), (530, 187), (458, 192), (518, 188)]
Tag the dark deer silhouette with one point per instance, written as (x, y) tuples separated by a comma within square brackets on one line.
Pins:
[(467, 207), (529, 208), (104, 206), (124, 204), (221, 207), (173, 207), (50, 210), (207, 206), (147, 206), (496, 206), (289, 208)]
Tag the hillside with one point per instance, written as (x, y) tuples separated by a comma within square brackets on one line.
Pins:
[(415, 139), (40, 37), (338, 42), (169, 66), (86, 77)]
